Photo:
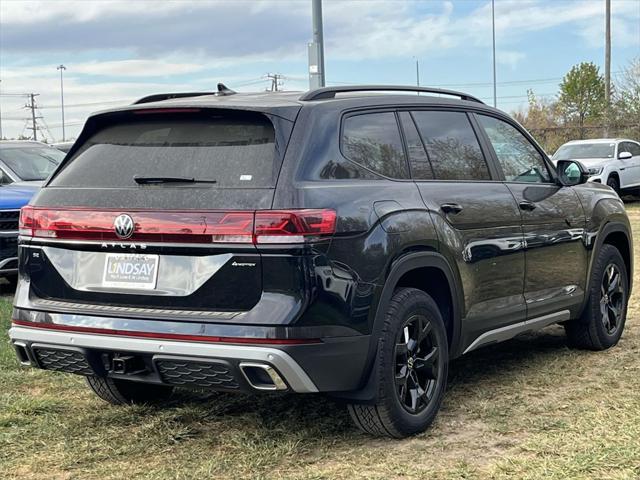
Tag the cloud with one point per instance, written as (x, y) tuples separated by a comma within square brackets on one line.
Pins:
[(510, 59), (227, 33), (121, 50)]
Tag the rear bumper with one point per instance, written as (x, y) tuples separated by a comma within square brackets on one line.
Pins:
[(332, 365)]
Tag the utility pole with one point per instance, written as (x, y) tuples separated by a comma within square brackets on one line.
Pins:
[(62, 68), (1, 137), (607, 66), (275, 81), (493, 32), (316, 48), (417, 72), (32, 106)]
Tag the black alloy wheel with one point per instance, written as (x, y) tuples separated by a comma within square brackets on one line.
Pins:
[(417, 356), (612, 296)]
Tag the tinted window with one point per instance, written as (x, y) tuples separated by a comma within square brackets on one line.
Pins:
[(373, 140), (236, 151), (452, 146), (32, 163), (519, 159), (418, 160), (632, 148)]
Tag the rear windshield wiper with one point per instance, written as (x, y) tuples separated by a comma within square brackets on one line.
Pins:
[(152, 180)]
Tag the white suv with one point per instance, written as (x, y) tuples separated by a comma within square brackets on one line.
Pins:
[(613, 161)]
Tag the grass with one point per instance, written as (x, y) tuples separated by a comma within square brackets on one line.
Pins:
[(530, 408)]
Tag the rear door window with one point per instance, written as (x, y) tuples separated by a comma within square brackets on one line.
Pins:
[(235, 151), (418, 160), (373, 141), (452, 146)]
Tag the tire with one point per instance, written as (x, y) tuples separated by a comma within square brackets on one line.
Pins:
[(602, 321), (126, 392), (410, 312), (614, 183)]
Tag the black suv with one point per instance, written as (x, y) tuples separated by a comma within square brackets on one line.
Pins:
[(344, 240)]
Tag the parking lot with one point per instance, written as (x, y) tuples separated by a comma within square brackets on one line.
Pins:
[(529, 408)]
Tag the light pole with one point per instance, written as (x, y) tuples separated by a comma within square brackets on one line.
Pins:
[(62, 68), (316, 48), (493, 31)]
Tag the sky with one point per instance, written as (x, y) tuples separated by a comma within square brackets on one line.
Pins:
[(117, 51)]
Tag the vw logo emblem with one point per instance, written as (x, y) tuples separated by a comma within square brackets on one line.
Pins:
[(123, 225)]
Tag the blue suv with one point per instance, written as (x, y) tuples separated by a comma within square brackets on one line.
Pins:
[(12, 198)]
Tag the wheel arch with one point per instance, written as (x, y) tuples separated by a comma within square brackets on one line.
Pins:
[(616, 174), (616, 234), (400, 273)]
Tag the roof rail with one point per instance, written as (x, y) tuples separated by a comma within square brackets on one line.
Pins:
[(326, 93), (222, 90)]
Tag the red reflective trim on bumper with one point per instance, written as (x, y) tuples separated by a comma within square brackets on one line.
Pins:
[(169, 336)]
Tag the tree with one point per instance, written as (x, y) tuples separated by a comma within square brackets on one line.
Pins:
[(627, 101), (582, 95)]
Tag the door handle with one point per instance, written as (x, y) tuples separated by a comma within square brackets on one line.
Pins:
[(528, 206), (453, 208)]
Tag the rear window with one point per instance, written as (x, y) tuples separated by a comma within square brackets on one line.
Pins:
[(234, 151)]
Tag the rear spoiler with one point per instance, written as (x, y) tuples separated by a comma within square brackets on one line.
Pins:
[(223, 90)]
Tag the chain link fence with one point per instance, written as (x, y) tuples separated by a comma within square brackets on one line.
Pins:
[(551, 138)]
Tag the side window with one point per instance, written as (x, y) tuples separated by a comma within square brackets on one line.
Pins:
[(418, 160), (452, 146), (4, 178), (519, 159), (373, 141), (632, 148)]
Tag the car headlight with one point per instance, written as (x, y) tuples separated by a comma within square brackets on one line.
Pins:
[(595, 170)]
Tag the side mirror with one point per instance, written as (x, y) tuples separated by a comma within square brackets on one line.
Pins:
[(625, 155), (571, 173)]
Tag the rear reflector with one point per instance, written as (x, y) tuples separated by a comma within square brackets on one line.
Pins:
[(261, 227), (168, 336)]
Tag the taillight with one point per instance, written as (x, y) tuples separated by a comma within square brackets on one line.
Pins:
[(26, 221), (261, 227), (293, 226), (149, 226)]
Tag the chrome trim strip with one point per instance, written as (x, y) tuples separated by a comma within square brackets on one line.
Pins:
[(287, 366), (94, 308), (127, 243), (505, 333)]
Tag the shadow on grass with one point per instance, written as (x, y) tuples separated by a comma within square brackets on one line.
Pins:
[(7, 289), (470, 377)]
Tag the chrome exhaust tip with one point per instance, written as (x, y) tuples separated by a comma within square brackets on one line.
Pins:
[(262, 376)]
